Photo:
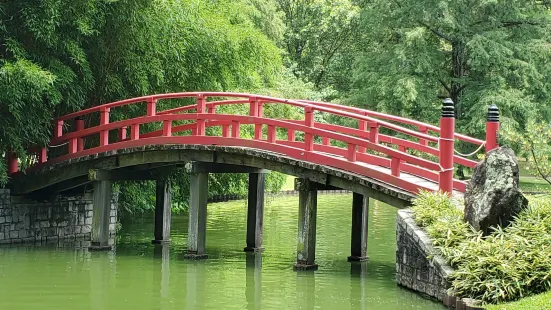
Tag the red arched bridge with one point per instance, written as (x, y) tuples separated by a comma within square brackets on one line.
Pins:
[(410, 154), (385, 157)]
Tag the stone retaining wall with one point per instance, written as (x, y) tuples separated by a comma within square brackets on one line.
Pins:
[(23, 220), (413, 269)]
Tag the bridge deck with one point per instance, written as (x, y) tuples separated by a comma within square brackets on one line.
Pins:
[(408, 177)]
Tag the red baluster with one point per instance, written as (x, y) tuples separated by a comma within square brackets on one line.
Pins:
[(79, 125), (424, 130), (135, 132), (201, 108), (351, 152), (122, 133), (395, 166), (225, 130), (291, 135), (309, 121), (151, 107), (104, 120), (43, 155), (235, 129), (167, 128), (374, 132), (12, 159), (271, 134), (362, 125), (58, 129)]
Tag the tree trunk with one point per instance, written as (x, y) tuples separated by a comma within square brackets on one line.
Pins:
[(459, 64)]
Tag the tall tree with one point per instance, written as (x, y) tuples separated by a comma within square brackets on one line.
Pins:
[(477, 52), (318, 36)]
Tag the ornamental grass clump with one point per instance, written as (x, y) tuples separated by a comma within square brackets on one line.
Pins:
[(509, 264)]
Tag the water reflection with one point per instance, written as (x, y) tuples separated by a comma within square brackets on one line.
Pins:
[(195, 287), (358, 273), (253, 290), (306, 290), (102, 266), (162, 272)]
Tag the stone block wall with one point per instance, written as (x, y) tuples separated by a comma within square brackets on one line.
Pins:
[(23, 220), (413, 269)]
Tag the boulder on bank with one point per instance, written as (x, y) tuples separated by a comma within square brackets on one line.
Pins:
[(493, 196)]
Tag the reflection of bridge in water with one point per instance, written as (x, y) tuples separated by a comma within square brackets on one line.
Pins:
[(380, 156)]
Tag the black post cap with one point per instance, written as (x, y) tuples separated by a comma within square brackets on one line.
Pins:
[(448, 109), (493, 113)]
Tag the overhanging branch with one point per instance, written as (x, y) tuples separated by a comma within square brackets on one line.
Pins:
[(436, 32)]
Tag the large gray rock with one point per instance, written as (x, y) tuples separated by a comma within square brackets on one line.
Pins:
[(493, 196)]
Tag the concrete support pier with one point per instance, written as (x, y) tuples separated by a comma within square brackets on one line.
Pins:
[(163, 200), (197, 231), (360, 215), (307, 211), (101, 216), (255, 212)]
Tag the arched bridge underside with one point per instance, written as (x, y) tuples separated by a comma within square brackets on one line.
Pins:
[(152, 161)]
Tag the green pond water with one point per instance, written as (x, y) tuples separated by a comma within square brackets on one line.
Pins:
[(139, 275)]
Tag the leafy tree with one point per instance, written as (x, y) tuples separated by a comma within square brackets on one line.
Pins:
[(60, 56), (318, 39), (477, 52)]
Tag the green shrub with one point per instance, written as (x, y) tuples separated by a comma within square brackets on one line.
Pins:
[(509, 264)]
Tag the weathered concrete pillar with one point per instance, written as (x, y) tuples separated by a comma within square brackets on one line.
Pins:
[(197, 231), (360, 215), (307, 211), (101, 216), (162, 211), (255, 212)]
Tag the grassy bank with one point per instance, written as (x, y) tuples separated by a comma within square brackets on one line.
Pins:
[(541, 301)]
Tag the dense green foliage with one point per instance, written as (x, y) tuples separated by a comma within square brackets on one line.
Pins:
[(509, 264), (476, 52), (319, 40), (534, 145)]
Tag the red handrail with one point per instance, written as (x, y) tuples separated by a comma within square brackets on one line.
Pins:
[(349, 152)]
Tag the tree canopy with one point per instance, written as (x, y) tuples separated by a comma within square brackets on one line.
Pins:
[(60, 56), (477, 52)]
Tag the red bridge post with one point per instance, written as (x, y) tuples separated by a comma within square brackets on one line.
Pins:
[(446, 146), (492, 128)]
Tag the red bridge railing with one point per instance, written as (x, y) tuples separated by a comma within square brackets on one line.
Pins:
[(425, 151)]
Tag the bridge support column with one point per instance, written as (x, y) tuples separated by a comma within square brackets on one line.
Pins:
[(307, 211), (197, 231), (255, 212), (163, 201), (358, 244), (101, 216)]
